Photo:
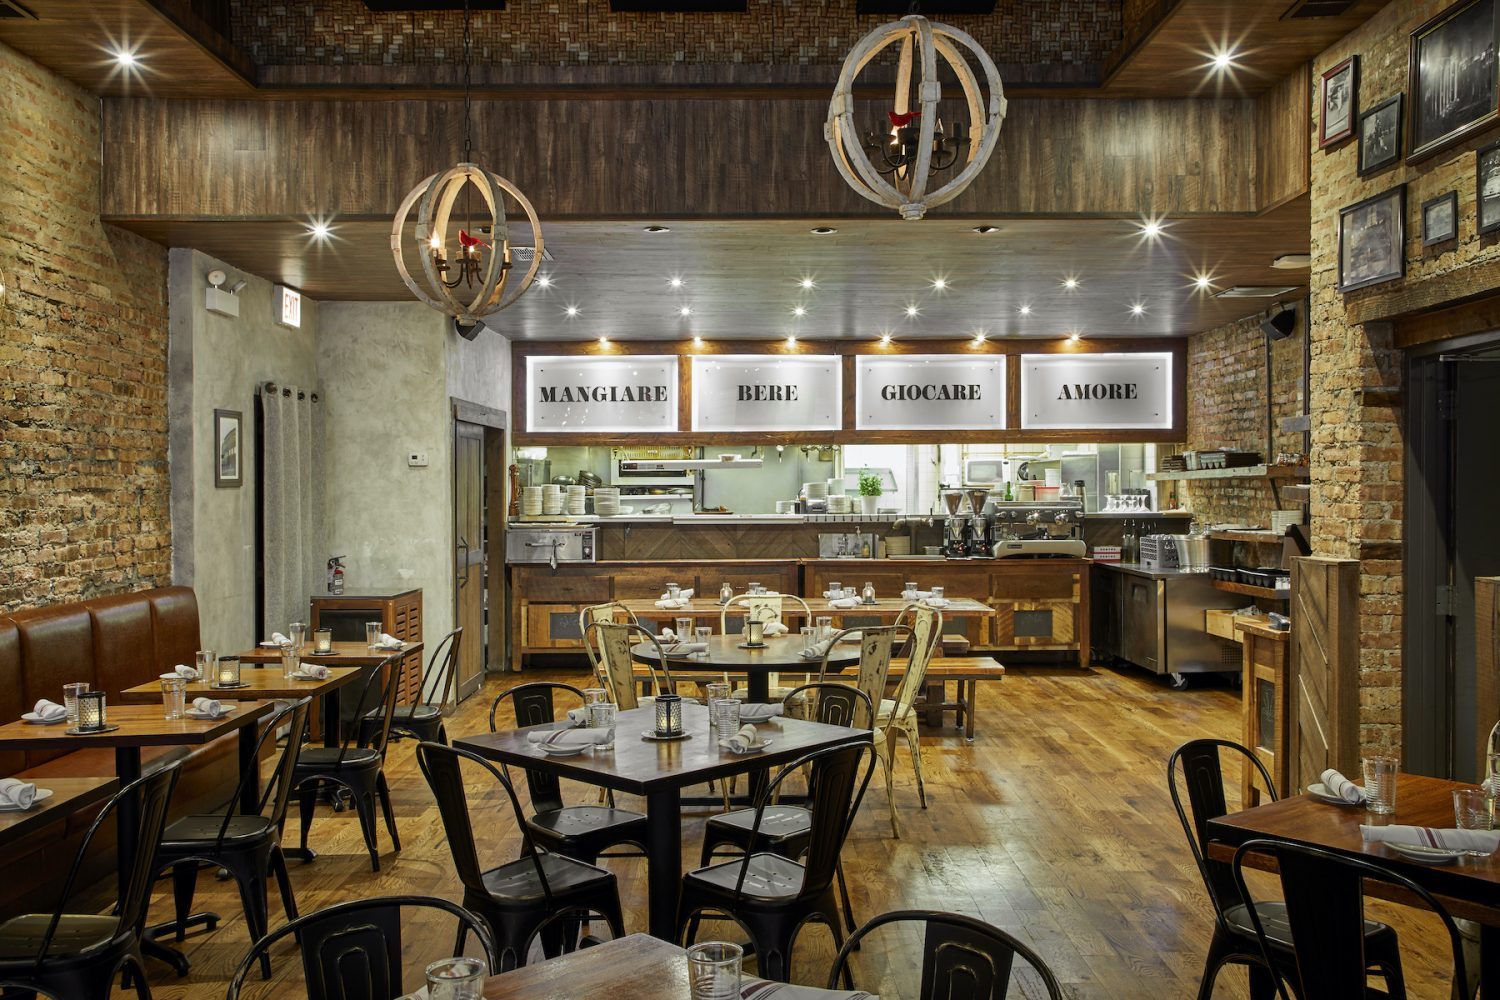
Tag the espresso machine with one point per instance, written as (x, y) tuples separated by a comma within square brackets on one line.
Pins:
[(1028, 529)]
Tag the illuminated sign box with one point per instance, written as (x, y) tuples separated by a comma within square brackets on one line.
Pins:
[(767, 393), (929, 392), (1096, 391), (578, 395)]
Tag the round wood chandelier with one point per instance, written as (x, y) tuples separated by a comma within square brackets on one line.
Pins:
[(896, 167)]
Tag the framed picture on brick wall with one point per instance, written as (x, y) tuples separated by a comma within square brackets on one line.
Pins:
[(1453, 81), (229, 448), (1487, 188), (1380, 136), (1339, 103), (1440, 219), (1372, 240)]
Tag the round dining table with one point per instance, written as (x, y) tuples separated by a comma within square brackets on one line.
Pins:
[(781, 653)]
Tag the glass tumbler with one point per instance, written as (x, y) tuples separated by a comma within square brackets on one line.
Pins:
[(1380, 784), (714, 970), (715, 693), (674, 591), (602, 716), (809, 637), (173, 697), (910, 592), (1473, 809), (456, 979), (298, 633), (372, 633), (701, 635), (937, 593), (290, 661), (205, 660), (70, 699), (683, 627), (825, 627), (726, 716)]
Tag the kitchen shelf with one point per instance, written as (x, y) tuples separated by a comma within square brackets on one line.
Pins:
[(1258, 537), (1242, 472), (1249, 590)]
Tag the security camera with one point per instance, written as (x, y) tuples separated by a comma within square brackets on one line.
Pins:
[(217, 277), (234, 289)]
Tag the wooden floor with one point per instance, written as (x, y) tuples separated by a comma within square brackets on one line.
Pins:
[(1055, 825)]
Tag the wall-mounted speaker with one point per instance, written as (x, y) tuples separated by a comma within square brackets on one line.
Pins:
[(1279, 321)]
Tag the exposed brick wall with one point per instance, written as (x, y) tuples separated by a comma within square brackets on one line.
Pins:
[(84, 483), (585, 32), (1357, 448)]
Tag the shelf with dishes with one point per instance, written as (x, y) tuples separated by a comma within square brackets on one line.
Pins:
[(1234, 472)]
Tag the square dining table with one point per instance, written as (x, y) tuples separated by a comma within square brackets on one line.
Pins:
[(260, 684), (659, 771), (1469, 888), (69, 795)]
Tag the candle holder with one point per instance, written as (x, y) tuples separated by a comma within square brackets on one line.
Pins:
[(227, 673), (323, 640), (668, 715), (755, 633), (91, 716)]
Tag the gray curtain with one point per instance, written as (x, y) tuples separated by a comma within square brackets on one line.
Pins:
[(295, 553)]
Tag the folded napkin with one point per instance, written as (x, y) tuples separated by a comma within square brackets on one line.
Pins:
[(671, 605), (752, 711), (572, 737), (1426, 836), (682, 595), (844, 602), (16, 793), (834, 595), (759, 989), (315, 670), (211, 707), (578, 716), (50, 711), (184, 671), (915, 595), (388, 642), (773, 628), (1341, 787), (742, 741), (935, 602), (684, 648), (279, 639), (817, 650)]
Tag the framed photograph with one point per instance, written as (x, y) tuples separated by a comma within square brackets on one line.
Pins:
[(1372, 240), (1487, 188), (1340, 98), (229, 448), (1452, 75), (1440, 218), (1380, 135)]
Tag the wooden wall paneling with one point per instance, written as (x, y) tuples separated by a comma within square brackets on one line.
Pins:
[(1283, 140), (1486, 665), (1265, 676), (1324, 671)]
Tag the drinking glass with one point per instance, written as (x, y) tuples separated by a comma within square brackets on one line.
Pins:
[(684, 629), (937, 593), (716, 692), (809, 637), (593, 696), (372, 633), (909, 592), (1473, 809), (835, 590), (205, 659), (602, 716), (825, 627), (702, 634), (289, 660), (673, 590), (726, 715), (70, 699), (456, 979), (714, 970), (298, 633), (173, 697), (1380, 784)]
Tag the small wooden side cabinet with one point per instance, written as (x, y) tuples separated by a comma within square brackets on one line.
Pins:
[(400, 615), (1266, 708)]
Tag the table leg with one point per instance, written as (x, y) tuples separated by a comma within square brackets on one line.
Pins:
[(249, 764), (663, 861), (1489, 960), (971, 692), (937, 694), (758, 683), (331, 718), (128, 769)]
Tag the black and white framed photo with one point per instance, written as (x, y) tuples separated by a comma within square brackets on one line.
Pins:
[(229, 450), (1380, 135), (1453, 80), (1340, 103), (1487, 188), (1440, 219), (1372, 240)]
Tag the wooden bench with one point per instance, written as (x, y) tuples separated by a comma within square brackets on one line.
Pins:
[(964, 671)]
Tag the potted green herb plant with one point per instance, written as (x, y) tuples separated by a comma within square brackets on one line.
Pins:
[(869, 493)]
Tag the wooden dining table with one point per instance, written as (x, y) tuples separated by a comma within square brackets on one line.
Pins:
[(69, 795), (659, 771), (349, 654), (884, 609), (260, 684), (728, 654), (1469, 888)]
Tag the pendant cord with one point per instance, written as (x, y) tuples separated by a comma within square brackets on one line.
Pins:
[(468, 82)]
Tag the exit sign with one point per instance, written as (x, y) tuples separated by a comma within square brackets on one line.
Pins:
[(287, 305)]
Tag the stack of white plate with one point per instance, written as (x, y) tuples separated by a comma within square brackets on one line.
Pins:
[(552, 499), (786, 506), (836, 487), (606, 501), (839, 504), (815, 491), (531, 501), (574, 500)]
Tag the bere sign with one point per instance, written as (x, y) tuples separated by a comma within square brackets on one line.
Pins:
[(929, 392), (764, 392), (1091, 391), (601, 395)]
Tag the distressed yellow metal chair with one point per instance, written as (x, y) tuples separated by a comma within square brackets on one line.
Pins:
[(607, 612), (767, 608), (617, 667), (896, 716)]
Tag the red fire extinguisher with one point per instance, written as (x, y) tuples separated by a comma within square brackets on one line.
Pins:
[(336, 575)]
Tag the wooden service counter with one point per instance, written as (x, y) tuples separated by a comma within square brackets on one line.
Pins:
[(1039, 604)]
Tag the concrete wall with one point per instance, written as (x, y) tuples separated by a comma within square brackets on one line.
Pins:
[(216, 362)]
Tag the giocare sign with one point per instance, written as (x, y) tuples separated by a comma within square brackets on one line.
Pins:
[(929, 392)]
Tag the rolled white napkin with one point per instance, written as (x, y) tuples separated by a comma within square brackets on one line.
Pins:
[(16, 793), (1427, 836), (682, 595), (667, 635), (671, 605), (816, 651), (774, 628), (1341, 787), (50, 711), (578, 716), (211, 707), (915, 595), (388, 642), (935, 602), (684, 648), (279, 639), (844, 602), (760, 989), (572, 737), (834, 595), (742, 741), (752, 711), (184, 671), (316, 671)]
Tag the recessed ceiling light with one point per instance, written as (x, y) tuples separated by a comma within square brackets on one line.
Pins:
[(658, 229), (685, 311), (985, 230), (791, 341), (603, 341), (1137, 309), (911, 310), (940, 283), (572, 311), (1202, 282), (799, 311), (823, 230), (1074, 337), (125, 58), (544, 280), (885, 339), (1070, 283), (319, 230), (697, 341), (675, 281), (1151, 229), (807, 283), (979, 336), (1224, 59), (1025, 310)]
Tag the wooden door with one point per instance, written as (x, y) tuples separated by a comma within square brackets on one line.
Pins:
[(469, 552), (1324, 669)]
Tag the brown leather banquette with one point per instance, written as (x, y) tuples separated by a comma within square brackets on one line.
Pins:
[(112, 643)]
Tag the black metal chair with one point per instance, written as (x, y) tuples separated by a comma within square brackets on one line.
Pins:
[(423, 718), (354, 949), (961, 957), (521, 898), (78, 955), (1324, 923), (359, 768), (580, 832), (1234, 939), (770, 896), (248, 845), (787, 829)]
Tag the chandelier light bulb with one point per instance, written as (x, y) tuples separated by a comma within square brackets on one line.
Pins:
[(125, 58), (1151, 229), (1202, 282)]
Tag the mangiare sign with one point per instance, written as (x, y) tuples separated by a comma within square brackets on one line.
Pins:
[(767, 392), (1091, 391), (929, 392), (601, 395)]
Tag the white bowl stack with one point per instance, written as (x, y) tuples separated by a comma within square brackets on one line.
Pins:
[(575, 500), (531, 501), (815, 491), (839, 504), (835, 487), (552, 499), (786, 506), (606, 501)]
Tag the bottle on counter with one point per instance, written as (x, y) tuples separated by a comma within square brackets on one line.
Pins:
[(726, 593), (1129, 550)]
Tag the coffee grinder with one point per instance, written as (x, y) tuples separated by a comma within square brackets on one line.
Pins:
[(980, 544), (956, 532)]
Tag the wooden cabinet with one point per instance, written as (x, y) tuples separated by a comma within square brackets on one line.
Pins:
[(1266, 706), (1040, 604), (400, 615)]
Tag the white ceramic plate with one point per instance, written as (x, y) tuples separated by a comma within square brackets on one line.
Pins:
[(42, 795), (1320, 791), (553, 750), (193, 713), (32, 718), (1426, 855), (298, 675), (752, 748)]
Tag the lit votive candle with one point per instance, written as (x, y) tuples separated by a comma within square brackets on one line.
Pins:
[(91, 718), (323, 640), (668, 715), (228, 674)]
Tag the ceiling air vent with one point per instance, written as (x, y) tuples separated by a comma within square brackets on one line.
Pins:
[(13, 10), (1255, 291), (524, 255), (1316, 8)]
